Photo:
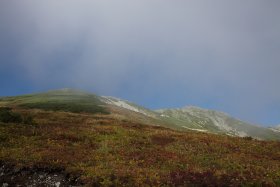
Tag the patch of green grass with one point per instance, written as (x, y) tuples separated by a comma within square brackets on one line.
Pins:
[(67, 106), (61, 100)]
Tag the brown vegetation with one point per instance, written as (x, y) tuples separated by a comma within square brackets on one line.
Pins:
[(108, 151)]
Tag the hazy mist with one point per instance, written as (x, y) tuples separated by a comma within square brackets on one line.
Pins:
[(220, 54)]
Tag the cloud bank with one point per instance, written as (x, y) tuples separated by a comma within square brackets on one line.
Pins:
[(216, 54)]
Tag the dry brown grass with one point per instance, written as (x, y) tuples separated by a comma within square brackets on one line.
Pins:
[(111, 150)]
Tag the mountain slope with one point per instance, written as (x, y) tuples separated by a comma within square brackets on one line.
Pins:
[(117, 143), (85, 149), (127, 105), (188, 118), (275, 129), (64, 100), (199, 119)]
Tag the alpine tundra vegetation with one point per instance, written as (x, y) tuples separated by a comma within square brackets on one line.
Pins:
[(77, 138)]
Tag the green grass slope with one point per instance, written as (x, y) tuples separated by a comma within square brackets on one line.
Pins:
[(59, 100), (191, 118), (214, 122)]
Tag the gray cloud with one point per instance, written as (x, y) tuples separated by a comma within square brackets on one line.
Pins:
[(214, 51)]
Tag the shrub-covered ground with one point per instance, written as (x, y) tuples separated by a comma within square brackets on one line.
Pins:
[(106, 150)]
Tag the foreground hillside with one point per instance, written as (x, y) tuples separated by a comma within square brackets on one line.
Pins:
[(63, 148), (72, 138)]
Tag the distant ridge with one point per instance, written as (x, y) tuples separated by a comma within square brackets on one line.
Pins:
[(186, 118)]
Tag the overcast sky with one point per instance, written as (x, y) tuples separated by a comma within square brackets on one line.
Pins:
[(216, 54)]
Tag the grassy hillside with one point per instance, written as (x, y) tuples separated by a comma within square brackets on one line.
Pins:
[(69, 137), (215, 122), (108, 150), (190, 118), (59, 100)]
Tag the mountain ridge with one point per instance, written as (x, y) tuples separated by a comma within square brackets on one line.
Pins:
[(185, 118), (65, 137)]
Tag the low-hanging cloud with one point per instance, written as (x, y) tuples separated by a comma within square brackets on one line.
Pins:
[(159, 53)]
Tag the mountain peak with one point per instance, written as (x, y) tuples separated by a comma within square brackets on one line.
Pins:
[(67, 91), (195, 108)]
